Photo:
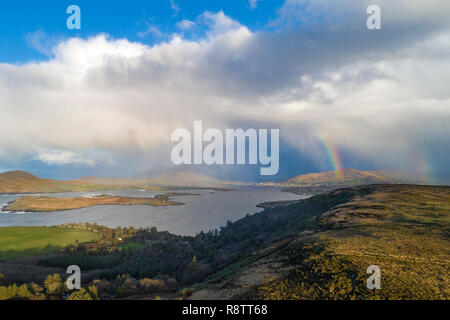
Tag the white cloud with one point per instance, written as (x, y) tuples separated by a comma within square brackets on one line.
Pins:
[(60, 158), (41, 41), (219, 23), (253, 3), (153, 30), (174, 7), (379, 96), (185, 24)]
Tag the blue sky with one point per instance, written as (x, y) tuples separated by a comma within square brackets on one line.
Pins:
[(105, 99), (120, 19)]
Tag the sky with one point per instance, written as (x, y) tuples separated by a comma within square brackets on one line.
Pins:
[(105, 99)]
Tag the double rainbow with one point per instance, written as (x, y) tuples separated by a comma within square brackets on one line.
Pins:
[(420, 161)]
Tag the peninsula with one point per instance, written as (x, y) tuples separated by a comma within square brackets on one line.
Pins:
[(48, 204)]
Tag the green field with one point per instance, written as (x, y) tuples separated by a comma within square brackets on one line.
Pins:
[(18, 242)]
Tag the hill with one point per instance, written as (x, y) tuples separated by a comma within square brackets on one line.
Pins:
[(355, 177), (24, 182), (173, 179), (320, 248)]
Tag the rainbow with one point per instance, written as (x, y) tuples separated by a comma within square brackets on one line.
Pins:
[(421, 160), (333, 156)]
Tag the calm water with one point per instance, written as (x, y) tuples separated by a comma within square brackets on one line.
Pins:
[(206, 211)]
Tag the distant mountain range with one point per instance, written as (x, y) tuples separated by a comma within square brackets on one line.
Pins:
[(174, 179), (24, 182)]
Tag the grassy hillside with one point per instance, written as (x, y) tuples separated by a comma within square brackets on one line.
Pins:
[(320, 248), (24, 182), (350, 177), (317, 248), (17, 242)]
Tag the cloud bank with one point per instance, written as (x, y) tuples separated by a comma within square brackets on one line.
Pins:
[(318, 74)]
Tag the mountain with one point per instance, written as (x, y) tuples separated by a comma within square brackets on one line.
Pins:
[(353, 177), (321, 247), (21, 181), (24, 182), (173, 179)]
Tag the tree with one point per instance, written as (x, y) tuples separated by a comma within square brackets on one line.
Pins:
[(81, 294), (23, 291), (93, 290), (3, 293), (151, 285), (54, 285), (12, 291)]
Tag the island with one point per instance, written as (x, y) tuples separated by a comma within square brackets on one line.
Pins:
[(49, 204)]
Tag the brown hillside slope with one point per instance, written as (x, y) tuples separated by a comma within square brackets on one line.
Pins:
[(24, 182), (351, 176), (321, 247)]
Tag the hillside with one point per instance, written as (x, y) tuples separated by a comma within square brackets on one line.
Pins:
[(355, 177), (317, 248), (320, 248), (174, 179), (24, 182)]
